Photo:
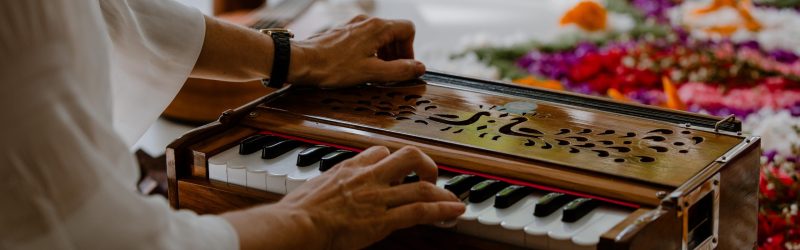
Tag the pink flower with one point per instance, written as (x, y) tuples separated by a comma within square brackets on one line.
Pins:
[(770, 94), (700, 94)]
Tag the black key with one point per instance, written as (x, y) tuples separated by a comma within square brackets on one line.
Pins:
[(333, 158), (578, 208), (485, 189), (255, 143), (510, 195), (413, 177), (313, 154), (461, 184), (279, 148), (550, 203)]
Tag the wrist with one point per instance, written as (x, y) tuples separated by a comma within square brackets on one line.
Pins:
[(300, 64)]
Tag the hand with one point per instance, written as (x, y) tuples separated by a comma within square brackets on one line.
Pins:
[(366, 49), (354, 204)]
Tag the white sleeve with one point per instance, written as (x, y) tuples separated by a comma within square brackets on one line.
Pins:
[(67, 179), (155, 46)]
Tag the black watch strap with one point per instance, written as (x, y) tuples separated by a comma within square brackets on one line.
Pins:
[(282, 58)]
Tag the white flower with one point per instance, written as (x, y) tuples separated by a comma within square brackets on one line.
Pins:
[(775, 129), (780, 27)]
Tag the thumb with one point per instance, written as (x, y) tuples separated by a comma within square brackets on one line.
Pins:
[(380, 71)]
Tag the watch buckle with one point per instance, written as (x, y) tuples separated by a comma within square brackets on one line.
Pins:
[(270, 31)]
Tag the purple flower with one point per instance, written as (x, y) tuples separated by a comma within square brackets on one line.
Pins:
[(783, 56), (655, 9)]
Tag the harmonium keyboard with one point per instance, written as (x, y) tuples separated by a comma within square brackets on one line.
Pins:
[(537, 169)]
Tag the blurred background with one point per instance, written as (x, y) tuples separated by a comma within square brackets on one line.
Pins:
[(720, 57)]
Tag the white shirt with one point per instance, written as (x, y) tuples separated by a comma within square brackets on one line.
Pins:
[(73, 74)]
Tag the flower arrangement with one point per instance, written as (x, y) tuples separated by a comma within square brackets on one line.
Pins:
[(717, 57)]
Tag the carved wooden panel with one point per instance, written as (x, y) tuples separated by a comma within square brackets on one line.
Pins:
[(601, 142)]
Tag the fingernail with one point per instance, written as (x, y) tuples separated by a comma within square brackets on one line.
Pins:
[(420, 68), (457, 207)]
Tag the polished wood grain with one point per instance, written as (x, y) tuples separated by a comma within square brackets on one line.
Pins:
[(639, 149), (656, 225), (201, 101), (499, 165)]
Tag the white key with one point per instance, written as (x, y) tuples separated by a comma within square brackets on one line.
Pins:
[(280, 167), (589, 237), (468, 221), (301, 175), (273, 171), (493, 218), (560, 234), (536, 231), (473, 210), (520, 218), (217, 164), (238, 168), (237, 172), (257, 179)]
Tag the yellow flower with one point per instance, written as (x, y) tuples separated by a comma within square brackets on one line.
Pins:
[(588, 15)]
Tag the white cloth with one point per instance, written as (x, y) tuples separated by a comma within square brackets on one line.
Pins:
[(71, 72)]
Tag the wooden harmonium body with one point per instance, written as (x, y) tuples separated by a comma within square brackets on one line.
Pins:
[(537, 169)]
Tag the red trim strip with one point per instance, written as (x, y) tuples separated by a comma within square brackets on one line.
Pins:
[(462, 171)]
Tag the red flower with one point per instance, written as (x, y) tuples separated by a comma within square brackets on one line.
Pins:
[(601, 83), (764, 185), (774, 242), (586, 68)]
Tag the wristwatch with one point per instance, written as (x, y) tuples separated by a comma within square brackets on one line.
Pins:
[(282, 57)]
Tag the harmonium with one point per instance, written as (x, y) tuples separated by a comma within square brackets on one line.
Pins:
[(538, 169)]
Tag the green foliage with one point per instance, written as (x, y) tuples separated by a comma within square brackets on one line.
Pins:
[(779, 3)]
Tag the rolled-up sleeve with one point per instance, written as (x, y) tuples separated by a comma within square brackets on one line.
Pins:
[(155, 46)]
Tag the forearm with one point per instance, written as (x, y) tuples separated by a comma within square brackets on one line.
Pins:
[(273, 227), (235, 53)]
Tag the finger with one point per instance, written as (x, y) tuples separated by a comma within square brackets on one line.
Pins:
[(403, 162), (381, 71), (423, 213), (368, 157), (399, 35), (415, 192), (358, 19)]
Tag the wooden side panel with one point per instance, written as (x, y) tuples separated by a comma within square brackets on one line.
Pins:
[(646, 230), (738, 210), (212, 197)]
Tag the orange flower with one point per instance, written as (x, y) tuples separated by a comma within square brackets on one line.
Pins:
[(716, 5), (539, 83), (671, 92), (724, 30), (616, 95), (750, 22), (741, 6), (588, 15)]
